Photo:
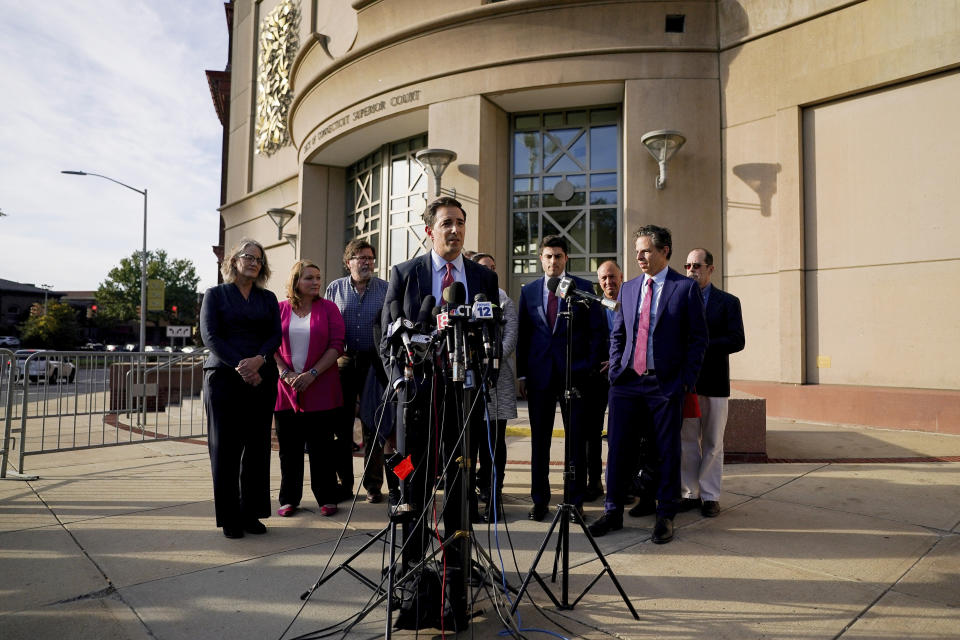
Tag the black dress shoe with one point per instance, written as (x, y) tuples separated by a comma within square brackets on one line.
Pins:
[(483, 495), (233, 532), (710, 508), (592, 492), (643, 508), (255, 527), (663, 531), (610, 521), (488, 510), (688, 504), (538, 512)]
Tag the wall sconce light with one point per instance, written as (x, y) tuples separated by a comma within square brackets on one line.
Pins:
[(435, 162), (662, 144), (291, 239), (280, 217)]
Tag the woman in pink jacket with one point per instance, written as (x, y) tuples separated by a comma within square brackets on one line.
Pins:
[(308, 391)]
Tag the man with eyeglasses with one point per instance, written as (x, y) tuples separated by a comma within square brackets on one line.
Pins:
[(701, 466), (360, 298)]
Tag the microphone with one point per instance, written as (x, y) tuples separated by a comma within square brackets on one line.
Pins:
[(567, 288), (454, 296), (483, 312), (426, 318), (552, 284), (402, 326)]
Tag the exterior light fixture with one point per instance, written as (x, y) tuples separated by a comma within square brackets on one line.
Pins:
[(662, 144), (435, 162), (280, 217), (291, 239)]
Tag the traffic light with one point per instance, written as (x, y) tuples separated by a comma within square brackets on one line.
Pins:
[(92, 311), (174, 310)]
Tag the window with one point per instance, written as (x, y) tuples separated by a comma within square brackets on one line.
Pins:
[(389, 179), (565, 181)]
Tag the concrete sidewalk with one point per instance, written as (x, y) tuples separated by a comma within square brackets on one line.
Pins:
[(120, 543)]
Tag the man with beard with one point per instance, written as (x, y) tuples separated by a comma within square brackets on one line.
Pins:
[(360, 299)]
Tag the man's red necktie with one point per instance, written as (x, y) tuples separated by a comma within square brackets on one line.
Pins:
[(447, 279), (643, 330), (552, 306)]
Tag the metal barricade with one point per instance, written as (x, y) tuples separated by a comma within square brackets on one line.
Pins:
[(70, 400)]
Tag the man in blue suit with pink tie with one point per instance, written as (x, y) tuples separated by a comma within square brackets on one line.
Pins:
[(657, 344)]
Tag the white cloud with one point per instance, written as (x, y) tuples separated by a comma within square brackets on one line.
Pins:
[(116, 88)]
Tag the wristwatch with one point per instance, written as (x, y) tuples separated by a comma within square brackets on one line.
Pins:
[(314, 373)]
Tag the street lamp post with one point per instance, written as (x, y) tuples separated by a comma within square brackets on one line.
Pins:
[(46, 289), (143, 256)]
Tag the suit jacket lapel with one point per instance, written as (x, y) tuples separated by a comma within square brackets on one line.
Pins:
[(669, 287), (425, 277), (538, 301)]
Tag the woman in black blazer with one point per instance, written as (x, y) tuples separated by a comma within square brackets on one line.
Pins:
[(240, 323)]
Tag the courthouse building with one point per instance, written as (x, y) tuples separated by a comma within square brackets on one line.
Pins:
[(820, 159)]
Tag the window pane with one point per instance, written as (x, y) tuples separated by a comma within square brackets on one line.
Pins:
[(527, 122), (526, 184), (578, 180), (603, 231), (398, 184), (564, 164), (577, 264), (553, 119), (562, 218), (578, 118), (600, 180), (603, 115), (603, 148), (603, 197), (550, 183), (578, 234), (521, 234), (526, 152), (397, 204)]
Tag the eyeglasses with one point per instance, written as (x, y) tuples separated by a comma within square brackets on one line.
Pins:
[(363, 258), (694, 265), (246, 257)]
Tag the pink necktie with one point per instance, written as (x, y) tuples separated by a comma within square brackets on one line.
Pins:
[(643, 330), (447, 279), (552, 306)]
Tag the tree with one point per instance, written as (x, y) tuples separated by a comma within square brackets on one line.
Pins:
[(56, 329), (119, 295)]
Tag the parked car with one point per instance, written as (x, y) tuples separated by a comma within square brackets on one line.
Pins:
[(43, 368), (92, 346), (112, 347), (9, 341), (129, 347)]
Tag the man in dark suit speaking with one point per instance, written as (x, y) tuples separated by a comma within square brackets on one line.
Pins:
[(701, 471), (656, 350), (410, 283)]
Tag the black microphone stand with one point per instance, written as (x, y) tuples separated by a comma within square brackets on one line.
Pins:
[(567, 511)]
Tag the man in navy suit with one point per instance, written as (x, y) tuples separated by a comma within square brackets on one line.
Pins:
[(411, 282), (541, 368), (656, 349), (701, 469)]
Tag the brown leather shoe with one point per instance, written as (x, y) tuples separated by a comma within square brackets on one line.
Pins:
[(710, 508)]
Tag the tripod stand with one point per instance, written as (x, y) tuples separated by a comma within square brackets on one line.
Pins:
[(567, 511)]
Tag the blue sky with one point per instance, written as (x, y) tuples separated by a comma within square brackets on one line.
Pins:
[(116, 88)]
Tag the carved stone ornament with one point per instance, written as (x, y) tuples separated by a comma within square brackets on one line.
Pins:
[(278, 44)]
